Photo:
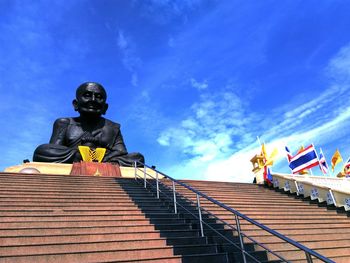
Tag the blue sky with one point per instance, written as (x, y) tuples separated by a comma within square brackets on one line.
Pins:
[(193, 83)]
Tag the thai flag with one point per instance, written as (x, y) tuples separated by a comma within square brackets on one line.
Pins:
[(323, 163), (304, 159), (347, 166), (289, 155)]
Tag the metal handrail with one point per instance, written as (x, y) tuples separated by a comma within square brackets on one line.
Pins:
[(199, 213), (308, 252), (244, 253), (199, 217)]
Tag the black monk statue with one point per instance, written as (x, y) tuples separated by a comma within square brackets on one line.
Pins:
[(89, 129)]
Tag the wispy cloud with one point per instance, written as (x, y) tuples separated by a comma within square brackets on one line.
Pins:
[(130, 60), (199, 85), (218, 124), (220, 133), (164, 11)]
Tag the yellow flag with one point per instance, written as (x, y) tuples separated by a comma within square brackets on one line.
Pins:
[(336, 158), (272, 157), (263, 150)]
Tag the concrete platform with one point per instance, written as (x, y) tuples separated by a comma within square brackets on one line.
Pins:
[(65, 169)]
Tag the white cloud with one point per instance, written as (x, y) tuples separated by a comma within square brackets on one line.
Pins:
[(199, 85), (339, 66), (208, 132), (220, 124)]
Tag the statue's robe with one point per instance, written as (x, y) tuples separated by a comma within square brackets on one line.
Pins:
[(69, 133)]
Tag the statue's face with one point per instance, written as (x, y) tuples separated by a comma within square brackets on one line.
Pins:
[(91, 100)]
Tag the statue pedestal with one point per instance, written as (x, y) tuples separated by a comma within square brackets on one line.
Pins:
[(95, 169)]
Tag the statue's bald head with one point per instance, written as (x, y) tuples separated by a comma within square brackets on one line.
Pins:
[(82, 88), (90, 99)]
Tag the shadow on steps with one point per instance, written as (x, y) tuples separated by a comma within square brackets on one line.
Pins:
[(182, 229)]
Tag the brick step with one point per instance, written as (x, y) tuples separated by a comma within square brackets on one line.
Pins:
[(72, 210), (70, 218), (88, 237), (276, 218), (309, 227), (305, 231), (274, 213), (205, 258), (15, 194), (252, 213), (86, 247), (76, 230), (259, 204), (65, 213), (267, 209), (344, 243), (300, 255), (150, 203), (72, 187), (94, 256), (76, 239), (67, 203), (301, 237), (191, 240), (61, 199), (325, 216), (127, 225), (79, 247), (71, 206), (53, 222), (64, 182), (179, 233), (338, 259), (56, 183), (174, 259), (57, 191), (259, 216), (63, 194), (345, 222), (162, 221), (234, 196)]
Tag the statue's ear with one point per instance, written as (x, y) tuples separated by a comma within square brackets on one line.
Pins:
[(105, 109), (75, 104)]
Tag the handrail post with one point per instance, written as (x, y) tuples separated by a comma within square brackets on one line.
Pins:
[(135, 165), (308, 257), (157, 183), (174, 194), (200, 215), (144, 177), (240, 238)]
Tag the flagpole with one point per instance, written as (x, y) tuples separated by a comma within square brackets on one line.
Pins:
[(259, 140), (318, 159)]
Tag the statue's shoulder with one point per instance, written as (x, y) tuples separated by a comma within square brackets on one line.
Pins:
[(63, 121), (112, 124)]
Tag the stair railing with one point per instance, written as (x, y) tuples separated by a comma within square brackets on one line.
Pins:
[(309, 253)]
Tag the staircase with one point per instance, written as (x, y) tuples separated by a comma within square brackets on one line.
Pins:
[(57, 218), (316, 226), (53, 218)]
